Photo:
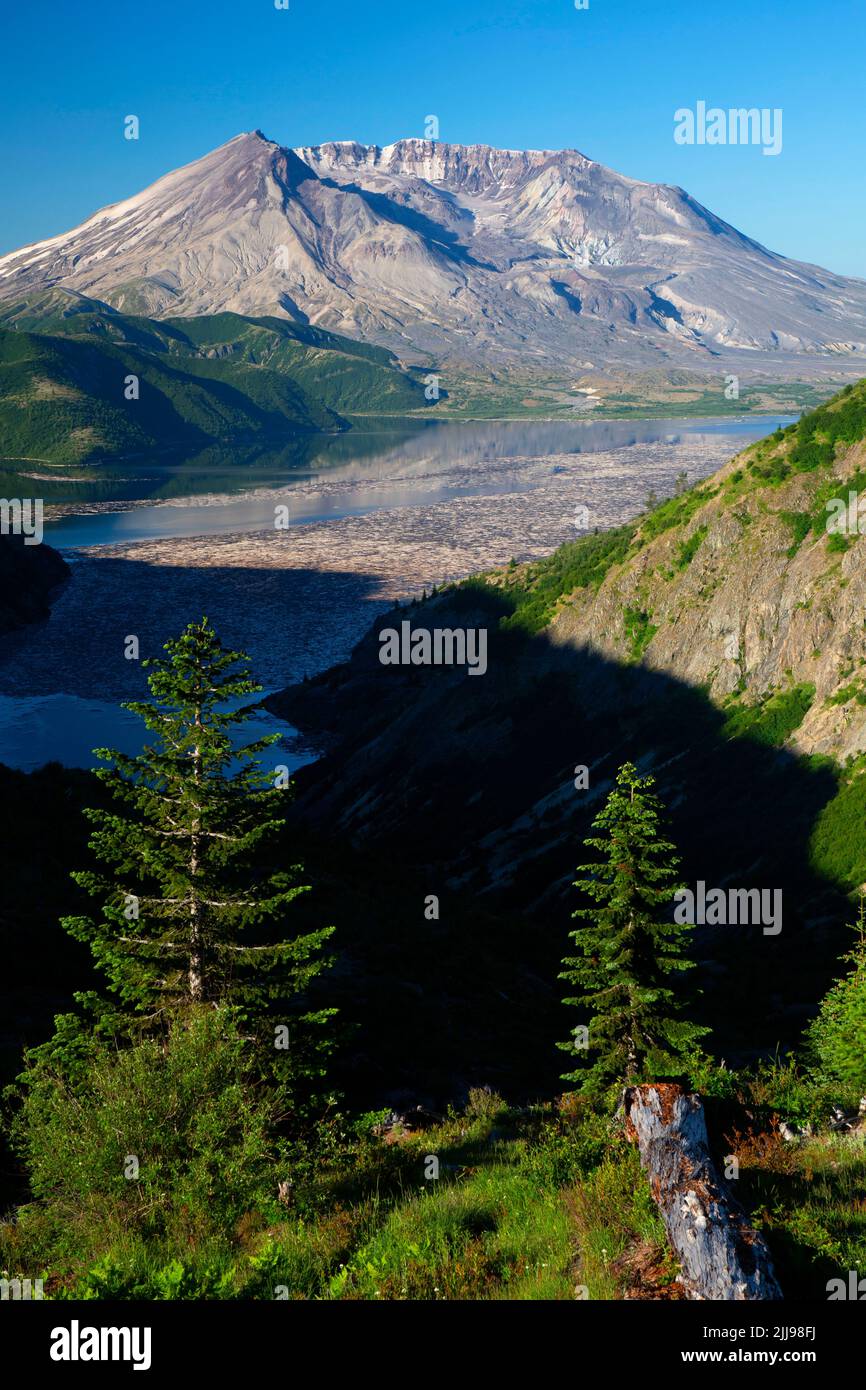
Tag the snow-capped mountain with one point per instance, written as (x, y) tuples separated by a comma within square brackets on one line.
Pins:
[(539, 259)]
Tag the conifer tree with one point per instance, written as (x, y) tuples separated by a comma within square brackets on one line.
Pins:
[(627, 950), (837, 1037), (192, 912)]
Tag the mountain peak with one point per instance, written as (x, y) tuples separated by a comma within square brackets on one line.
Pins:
[(250, 138), (539, 259), (473, 167)]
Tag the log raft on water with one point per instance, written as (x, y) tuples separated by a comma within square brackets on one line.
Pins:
[(721, 1255)]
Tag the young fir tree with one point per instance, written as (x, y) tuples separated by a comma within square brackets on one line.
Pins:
[(628, 950), (837, 1037), (187, 882)]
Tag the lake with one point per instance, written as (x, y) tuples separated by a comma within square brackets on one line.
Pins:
[(374, 515)]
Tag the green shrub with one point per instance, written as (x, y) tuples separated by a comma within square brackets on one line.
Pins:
[(687, 550), (800, 524), (176, 1280), (854, 691), (613, 1211), (783, 1085), (581, 564), (563, 1155), (483, 1104), (639, 631), (676, 511), (171, 1139)]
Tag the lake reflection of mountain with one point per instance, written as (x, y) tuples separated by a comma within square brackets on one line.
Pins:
[(373, 448)]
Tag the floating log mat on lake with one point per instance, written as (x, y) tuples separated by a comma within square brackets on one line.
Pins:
[(722, 1257)]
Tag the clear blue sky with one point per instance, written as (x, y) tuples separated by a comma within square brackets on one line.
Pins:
[(518, 73)]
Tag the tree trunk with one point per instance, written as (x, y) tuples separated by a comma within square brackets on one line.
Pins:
[(196, 945), (722, 1257)]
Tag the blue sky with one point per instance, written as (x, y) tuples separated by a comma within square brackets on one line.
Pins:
[(517, 73)]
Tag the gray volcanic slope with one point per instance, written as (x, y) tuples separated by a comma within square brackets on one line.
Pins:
[(536, 259)]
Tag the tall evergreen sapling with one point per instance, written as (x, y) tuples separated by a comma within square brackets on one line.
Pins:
[(188, 883), (627, 949)]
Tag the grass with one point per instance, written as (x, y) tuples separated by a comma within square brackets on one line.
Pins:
[(534, 591), (639, 631), (526, 1206), (491, 1236), (546, 1202), (772, 721), (838, 842), (809, 1202), (618, 1225), (687, 550), (676, 511), (374, 1225), (660, 396)]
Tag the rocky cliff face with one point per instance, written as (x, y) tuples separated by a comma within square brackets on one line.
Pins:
[(538, 260), (739, 601)]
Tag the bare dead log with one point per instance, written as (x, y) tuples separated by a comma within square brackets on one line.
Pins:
[(722, 1257)]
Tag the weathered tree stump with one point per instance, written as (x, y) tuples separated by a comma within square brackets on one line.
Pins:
[(722, 1256)]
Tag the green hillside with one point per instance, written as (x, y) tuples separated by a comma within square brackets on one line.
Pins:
[(65, 360), (811, 456), (700, 640)]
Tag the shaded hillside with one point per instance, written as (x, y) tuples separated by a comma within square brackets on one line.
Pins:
[(65, 360), (28, 574), (610, 649)]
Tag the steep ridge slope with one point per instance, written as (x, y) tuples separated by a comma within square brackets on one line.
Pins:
[(745, 586), (635, 254), (718, 642), (753, 583)]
